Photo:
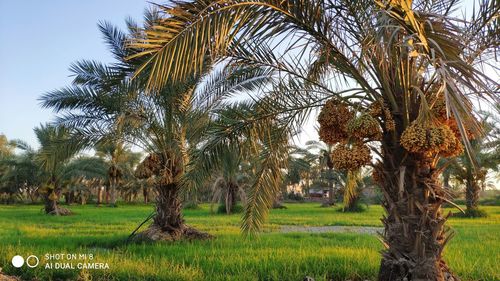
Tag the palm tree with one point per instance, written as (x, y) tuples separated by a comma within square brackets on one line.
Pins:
[(230, 180), (104, 100), (56, 149), (325, 162), (397, 60), (463, 170), (20, 172), (79, 175), (120, 160)]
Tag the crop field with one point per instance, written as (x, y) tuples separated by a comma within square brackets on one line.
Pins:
[(272, 255)]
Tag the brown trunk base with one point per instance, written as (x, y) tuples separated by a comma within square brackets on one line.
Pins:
[(278, 205), (59, 211), (155, 233), (327, 204), (399, 270)]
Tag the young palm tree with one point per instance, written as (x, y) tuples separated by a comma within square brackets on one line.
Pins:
[(20, 172), (230, 180), (56, 149), (120, 160), (463, 170), (166, 124), (395, 61), (325, 162), (79, 174)]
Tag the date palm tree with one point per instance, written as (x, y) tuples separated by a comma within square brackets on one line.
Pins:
[(230, 180), (326, 166), (166, 123), (56, 150), (79, 174), (120, 160), (462, 169), (396, 61), (20, 172)]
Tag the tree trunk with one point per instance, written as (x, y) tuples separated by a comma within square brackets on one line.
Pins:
[(168, 224), (145, 193), (414, 232), (112, 194), (331, 195), (352, 203), (446, 180), (331, 191), (113, 174), (107, 195), (472, 191), (99, 195), (50, 205), (231, 198), (168, 209)]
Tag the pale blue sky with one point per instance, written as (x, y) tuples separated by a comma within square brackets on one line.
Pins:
[(38, 42)]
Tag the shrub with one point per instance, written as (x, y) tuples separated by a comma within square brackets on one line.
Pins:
[(191, 206), (472, 213), (235, 210), (295, 197), (358, 207)]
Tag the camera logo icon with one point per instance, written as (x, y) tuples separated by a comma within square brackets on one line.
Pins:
[(31, 261), (17, 261)]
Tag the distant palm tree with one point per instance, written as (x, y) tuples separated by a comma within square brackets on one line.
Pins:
[(399, 56), (56, 150), (79, 176), (20, 172), (120, 160), (487, 155), (332, 176), (230, 180)]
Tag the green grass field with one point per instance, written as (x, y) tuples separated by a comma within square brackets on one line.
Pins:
[(473, 253)]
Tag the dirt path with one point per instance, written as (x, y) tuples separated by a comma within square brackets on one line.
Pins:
[(335, 228)]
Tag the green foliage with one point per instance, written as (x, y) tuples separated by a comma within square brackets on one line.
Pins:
[(471, 213), (357, 207), (493, 201), (297, 197), (191, 206), (236, 209)]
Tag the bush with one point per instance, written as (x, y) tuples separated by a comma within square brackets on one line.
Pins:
[(235, 210), (191, 206), (492, 201), (294, 197), (358, 207), (471, 213)]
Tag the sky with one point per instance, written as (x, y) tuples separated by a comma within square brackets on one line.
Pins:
[(38, 42)]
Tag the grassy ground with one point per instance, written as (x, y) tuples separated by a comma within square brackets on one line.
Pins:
[(473, 253)]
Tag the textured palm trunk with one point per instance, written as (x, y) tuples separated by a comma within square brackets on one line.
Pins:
[(99, 195), (113, 182), (50, 205), (331, 195), (231, 198), (50, 201), (414, 234), (472, 191), (145, 194), (351, 206), (168, 210)]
